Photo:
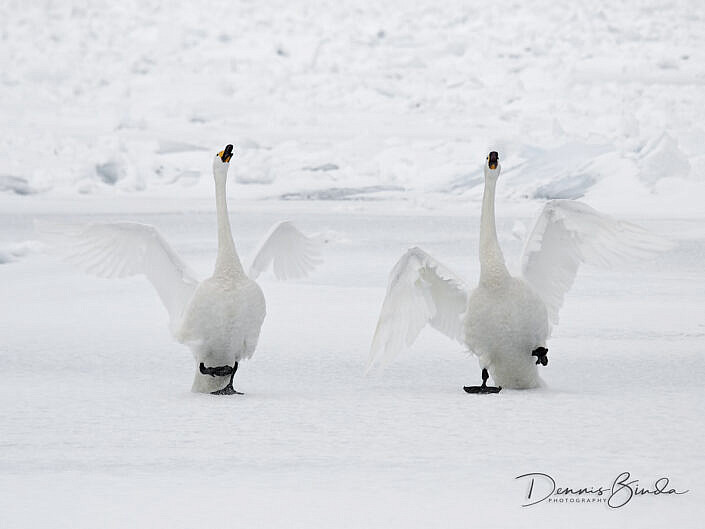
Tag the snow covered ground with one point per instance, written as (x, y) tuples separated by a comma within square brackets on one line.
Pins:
[(368, 122), (99, 426)]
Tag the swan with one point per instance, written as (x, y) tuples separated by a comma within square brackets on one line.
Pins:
[(505, 320), (219, 318)]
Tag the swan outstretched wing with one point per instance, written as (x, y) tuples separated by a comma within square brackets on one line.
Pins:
[(291, 253), (568, 233), (421, 290), (123, 249)]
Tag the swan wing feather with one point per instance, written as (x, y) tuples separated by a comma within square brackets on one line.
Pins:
[(421, 291), (123, 249), (290, 253), (568, 233)]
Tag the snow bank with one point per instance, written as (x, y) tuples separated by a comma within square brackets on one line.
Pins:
[(14, 251), (132, 99)]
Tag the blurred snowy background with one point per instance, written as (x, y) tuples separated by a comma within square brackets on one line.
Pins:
[(355, 100)]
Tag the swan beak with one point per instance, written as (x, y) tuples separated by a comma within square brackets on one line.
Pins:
[(492, 160), (226, 154)]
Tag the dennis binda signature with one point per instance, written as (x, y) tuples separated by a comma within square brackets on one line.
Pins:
[(542, 487)]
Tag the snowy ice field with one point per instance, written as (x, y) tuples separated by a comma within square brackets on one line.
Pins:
[(367, 122)]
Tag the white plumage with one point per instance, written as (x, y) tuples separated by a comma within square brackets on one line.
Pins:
[(504, 319), (421, 291), (568, 233), (290, 252), (220, 318)]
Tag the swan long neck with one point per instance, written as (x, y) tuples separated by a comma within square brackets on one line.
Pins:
[(227, 263), (492, 267)]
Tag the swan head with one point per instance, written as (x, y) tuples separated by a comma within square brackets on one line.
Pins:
[(221, 162), (492, 167)]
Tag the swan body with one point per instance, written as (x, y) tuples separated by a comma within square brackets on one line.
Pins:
[(505, 318), (219, 318), (221, 325), (505, 321), (503, 324)]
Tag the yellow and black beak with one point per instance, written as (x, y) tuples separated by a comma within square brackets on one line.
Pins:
[(226, 154), (492, 160)]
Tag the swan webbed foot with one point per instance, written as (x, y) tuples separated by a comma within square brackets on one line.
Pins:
[(227, 390), (541, 354), (484, 388)]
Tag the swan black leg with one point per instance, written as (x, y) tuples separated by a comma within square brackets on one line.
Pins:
[(222, 371), (484, 388), (541, 354)]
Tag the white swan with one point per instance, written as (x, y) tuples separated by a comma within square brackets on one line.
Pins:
[(505, 321), (220, 318)]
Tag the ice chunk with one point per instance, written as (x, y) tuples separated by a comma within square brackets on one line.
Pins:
[(16, 184), (14, 251), (322, 167), (339, 193), (661, 158), (571, 186), (110, 172)]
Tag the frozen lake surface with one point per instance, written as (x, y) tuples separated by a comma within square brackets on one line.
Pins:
[(99, 426)]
